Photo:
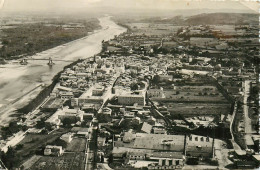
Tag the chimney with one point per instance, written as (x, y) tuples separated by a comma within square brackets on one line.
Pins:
[(213, 142), (185, 141)]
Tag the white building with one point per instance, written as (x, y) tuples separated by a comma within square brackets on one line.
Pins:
[(155, 93), (106, 111), (157, 130), (74, 102), (66, 137), (57, 118), (66, 95), (130, 99), (53, 150), (95, 94), (98, 91)]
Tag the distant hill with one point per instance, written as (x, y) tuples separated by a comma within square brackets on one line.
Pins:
[(208, 19), (175, 20), (223, 18)]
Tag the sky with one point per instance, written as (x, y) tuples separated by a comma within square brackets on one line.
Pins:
[(91, 5)]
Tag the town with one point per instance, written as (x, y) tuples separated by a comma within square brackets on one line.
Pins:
[(156, 97)]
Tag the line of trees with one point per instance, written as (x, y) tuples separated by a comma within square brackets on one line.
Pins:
[(10, 158)]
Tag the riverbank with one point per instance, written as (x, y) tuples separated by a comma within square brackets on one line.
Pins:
[(24, 78), (45, 92)]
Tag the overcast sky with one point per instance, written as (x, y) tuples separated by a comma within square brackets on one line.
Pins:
[(67, 5)]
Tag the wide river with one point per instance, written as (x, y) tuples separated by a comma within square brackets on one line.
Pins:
[(18, 82)]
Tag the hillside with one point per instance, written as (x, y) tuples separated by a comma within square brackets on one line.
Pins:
[(223, 18), (208, 19)]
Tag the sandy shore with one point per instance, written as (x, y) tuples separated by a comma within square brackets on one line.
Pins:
[(8, 112)]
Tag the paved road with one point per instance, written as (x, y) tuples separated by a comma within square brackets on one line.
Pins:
[(248, 122), (167, 121), (89, 154), (221, 154)]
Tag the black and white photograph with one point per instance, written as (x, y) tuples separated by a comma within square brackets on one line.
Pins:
[(129, 84)]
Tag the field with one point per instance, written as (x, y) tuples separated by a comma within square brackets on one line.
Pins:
[(228, 29), (191, 97), (77, 145), (194, 101), (201, 42), (192, 94), (73, 158), (153, 29), (31, 38), (188, 109), (65, 162), (111, 48), (32, 142), (53, 103)]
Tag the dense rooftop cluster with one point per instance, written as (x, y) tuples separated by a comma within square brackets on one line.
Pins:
[(159, 101)]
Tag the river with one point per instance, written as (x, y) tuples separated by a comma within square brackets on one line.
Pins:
[(18, 83)]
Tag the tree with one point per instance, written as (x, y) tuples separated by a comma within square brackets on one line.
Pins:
[(179, 31), (156, 79), (44, 131), (40, 124), (60, 142), (133, 74), (13, 127), (102, 118), (18, 147), (5, 42), (192, 161), (134, 86), (67, 122), (110, 158), (10, 158)]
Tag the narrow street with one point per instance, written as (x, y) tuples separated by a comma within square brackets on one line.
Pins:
[(88, 152), (235, 145)]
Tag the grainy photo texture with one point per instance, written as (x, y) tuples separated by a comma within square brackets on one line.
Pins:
[(129, 84)]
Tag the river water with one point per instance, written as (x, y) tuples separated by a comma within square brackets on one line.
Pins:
[(18, 81)]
